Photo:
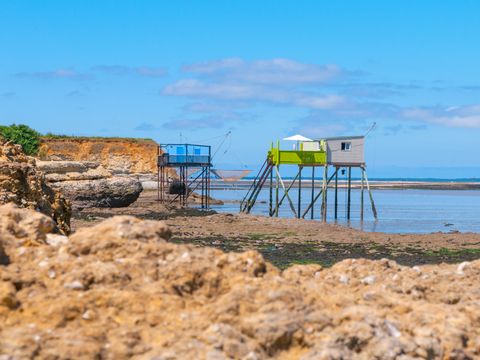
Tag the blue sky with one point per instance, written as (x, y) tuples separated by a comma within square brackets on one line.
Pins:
[(262, 69)]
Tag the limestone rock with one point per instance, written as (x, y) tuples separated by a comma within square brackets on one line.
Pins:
[(56, 171), (64, 167), (21, 183), (111, 192), (15, 223), (87, 184)]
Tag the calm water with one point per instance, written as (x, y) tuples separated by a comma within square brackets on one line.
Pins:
[(399, 211)]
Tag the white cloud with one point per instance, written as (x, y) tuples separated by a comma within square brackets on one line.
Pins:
[(454, 116), (235, 91), (210, 121), (274, 71), (251, 92), (121, 70), (56, 74), (321, 102), (332, 94)]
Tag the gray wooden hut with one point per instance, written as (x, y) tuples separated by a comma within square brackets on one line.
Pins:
[(346, 151)]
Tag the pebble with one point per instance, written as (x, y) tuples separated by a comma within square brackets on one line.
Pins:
[(392, 330), (52, 274), (56, 240), (462, 267), (369, 296), (369, 280), (86, 315), (75, 285), (251, 356)]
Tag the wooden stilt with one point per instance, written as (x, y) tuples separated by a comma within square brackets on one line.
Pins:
[(270, 197), (202, 188), (349, 190), (208, 187), (322, 205), (276, 190), (336, 193), (374, 209), (324, 193), (159, 184), (313, 190), (186, 186), (361, 194), (299, 205), (158, 174)]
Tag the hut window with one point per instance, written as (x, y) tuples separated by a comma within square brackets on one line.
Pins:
[(346, 146)]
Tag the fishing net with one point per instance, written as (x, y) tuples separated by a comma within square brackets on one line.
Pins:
[(191, 171), (231, 175)]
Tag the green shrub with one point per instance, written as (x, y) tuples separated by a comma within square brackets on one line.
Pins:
[(23, 135)]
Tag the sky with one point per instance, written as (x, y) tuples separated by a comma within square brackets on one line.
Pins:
[(261, 70)]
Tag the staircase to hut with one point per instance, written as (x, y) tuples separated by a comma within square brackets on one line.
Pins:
[(252, 194)]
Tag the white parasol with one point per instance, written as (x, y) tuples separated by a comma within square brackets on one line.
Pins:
[(297, 138)]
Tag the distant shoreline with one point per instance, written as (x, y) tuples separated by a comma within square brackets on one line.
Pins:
[(356, 184)]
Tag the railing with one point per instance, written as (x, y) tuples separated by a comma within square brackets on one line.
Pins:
[(296, 157), (166, 159)]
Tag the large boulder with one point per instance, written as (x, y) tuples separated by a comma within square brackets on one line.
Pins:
[(88, 184), (22, 184), (104, 192)]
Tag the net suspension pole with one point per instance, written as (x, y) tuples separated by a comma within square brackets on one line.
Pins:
[(374, 209)]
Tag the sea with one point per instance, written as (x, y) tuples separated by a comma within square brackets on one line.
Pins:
[(399, 211)]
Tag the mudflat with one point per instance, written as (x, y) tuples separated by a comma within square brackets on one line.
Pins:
[(285, 242)]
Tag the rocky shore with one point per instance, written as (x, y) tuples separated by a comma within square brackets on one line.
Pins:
[(120, 289)]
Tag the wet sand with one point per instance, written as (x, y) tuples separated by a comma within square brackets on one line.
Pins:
[(293, 241)]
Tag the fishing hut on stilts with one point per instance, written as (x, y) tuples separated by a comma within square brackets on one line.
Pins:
[(183, 169), (322, 155)]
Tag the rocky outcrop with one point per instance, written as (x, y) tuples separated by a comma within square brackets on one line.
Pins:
[(120, 290), (113, 192), (117, 155), (21, 183), (72, 170), (88, 184)]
